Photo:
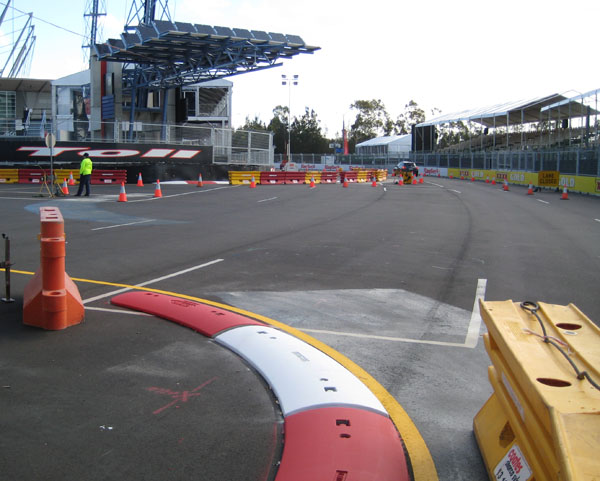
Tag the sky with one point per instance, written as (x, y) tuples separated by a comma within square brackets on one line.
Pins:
[(446, 55)]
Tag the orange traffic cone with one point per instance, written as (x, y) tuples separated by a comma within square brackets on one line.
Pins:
[(345, 184), (140, 182), (415, 181), (421, 180), (374, 182), (252, 183), (565, 194), (65, 189), (157, 191), (200, 183), (487, 180), (451, 176), (122, 194), (312, 182), (493, 181), (71, 179), (400, 181), (505, 186), (530, 190), (472, 179)]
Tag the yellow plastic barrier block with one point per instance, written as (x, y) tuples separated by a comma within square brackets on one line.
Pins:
[(543, 420), (313, 174), (9, 176), (243, 177)]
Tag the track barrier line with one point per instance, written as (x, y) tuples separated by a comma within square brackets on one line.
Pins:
[(153, 281), (475, 324), (421, 460), (123, 225)]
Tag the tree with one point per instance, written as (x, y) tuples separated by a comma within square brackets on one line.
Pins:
[(371, 121), (279, 126), (255, 124), (412, 115), (307, 136)]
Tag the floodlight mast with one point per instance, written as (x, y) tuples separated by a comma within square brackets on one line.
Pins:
[(289, 81)]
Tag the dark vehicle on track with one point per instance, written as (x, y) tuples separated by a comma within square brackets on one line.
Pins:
[(405, 167)]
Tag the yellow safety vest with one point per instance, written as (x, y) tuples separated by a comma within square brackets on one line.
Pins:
[(86, 166)]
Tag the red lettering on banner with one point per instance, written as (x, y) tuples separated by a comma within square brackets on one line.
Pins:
[(112, 153)]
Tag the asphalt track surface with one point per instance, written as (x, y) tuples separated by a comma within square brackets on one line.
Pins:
[(387, 277)]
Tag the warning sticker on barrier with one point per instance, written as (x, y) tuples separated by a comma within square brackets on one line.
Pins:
[(513, 466)]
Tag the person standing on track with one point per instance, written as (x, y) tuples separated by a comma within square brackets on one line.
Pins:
[(85, 176)]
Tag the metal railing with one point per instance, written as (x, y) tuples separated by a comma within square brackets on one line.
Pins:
[(230, 146)]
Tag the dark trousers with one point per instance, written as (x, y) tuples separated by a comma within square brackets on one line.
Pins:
[(84, 180)]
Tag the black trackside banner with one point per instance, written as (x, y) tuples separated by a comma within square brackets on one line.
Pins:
[(30, 153)]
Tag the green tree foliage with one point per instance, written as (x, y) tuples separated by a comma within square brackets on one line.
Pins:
[(307, 136), (412, 115), (254, 125), (371, 121), (279, 126)]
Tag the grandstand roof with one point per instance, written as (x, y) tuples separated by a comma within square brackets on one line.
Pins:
[(522, 111), (577, 105), (179, 53)]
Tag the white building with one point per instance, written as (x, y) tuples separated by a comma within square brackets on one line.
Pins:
[(391, 146)]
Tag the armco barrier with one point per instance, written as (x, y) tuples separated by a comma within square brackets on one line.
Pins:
[(51, 300), (295, 177), (243, 177), (543, 419), (9, 176), (272, 178), (108, 176)]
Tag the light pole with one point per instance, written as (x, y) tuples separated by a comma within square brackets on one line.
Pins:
[(289, 81)]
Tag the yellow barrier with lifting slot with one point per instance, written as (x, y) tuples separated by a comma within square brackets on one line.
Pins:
[(543, 420)]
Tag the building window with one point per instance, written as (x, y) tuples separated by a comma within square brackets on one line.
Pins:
[(8, 112)]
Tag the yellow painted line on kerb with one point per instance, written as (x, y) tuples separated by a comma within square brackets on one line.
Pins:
[(420, 457)]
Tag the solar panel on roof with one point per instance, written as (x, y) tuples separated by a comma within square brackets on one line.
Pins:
[(185, 27), (163, 26), (295, 40), (130, 39), (260, 35), (206, 29), (278, 37), (224, 31), (242, 32), (146, 33)]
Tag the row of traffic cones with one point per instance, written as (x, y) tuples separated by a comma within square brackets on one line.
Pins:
[(505, 188), (123, 194)]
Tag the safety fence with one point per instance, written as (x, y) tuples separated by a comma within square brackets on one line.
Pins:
[(39, 176), (541, 421), (305, 177)]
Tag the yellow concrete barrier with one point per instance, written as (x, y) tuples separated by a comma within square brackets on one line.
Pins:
[(543, 420), (243, 177)]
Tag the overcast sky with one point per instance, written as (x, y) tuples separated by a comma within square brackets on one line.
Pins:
[(448, 55)]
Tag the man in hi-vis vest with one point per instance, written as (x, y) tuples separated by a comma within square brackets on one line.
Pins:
[(85, 176)]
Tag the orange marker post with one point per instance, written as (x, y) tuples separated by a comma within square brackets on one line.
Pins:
[(51, 299)]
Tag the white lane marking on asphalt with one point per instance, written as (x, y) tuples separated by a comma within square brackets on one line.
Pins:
[(152, 281), (266, 200), (475, 323), (443, 268), (182, 193), (437, 185), (118, 311), (123, 225), (542, 201), (457, 191), (597, 220), (384, 338)]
